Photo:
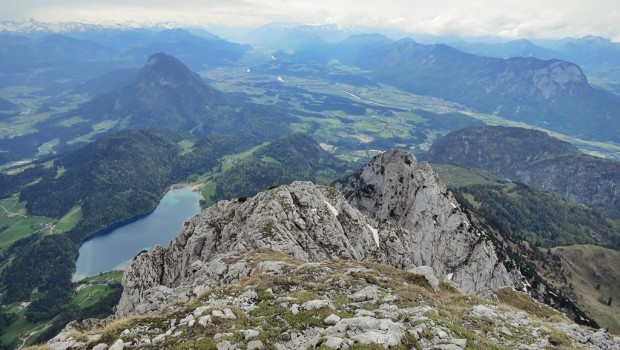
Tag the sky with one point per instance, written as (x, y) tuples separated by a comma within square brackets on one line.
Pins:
[(504, 18)]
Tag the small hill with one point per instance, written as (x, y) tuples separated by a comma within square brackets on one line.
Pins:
[(296, 157), (536, 159)]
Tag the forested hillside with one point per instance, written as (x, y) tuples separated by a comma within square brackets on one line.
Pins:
[(294, 158), (536, 159)]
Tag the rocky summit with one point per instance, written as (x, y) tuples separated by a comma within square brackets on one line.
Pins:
[(395, 188), (406, 218), (287, 303), (384, 265)]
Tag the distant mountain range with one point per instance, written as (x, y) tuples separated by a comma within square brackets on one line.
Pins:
[(554, 94), (536, 159), (64, 59), (598, 57)]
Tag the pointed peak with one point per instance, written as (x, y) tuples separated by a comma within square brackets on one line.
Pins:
[(394, 156), (161, 57)]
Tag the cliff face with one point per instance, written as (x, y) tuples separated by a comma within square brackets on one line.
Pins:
[(395, 188), (536, 159), (416, 223)]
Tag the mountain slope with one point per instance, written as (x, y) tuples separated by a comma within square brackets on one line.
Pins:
[(598, 57), (594, 280), (536, 159), (286, 303), (544, 219), (164, 93)]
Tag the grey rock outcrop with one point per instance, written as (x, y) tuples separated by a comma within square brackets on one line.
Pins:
[(201, 254), (406, 218), (420, 319), (395, 188)]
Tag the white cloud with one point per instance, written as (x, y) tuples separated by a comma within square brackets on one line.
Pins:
[(509, 18)]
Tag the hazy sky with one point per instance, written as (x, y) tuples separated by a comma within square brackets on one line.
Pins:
[(507, 18)]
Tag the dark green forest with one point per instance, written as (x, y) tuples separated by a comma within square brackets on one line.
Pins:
[(294, 158), (542, 218)]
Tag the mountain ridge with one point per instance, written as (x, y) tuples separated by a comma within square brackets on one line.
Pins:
[(298, 266), (553, 93), (536, 159), (316, 223)]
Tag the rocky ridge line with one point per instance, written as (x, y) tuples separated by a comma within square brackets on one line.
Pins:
[(314, 223)]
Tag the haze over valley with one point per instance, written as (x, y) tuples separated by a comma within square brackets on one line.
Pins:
[(400, 176)]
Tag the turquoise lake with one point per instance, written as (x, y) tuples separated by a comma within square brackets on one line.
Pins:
[(111, 250)]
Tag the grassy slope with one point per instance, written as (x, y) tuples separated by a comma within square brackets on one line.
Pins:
[(22, 225), (455, 176), (586, 265), (227, 162), (589, 266), (315, 281)]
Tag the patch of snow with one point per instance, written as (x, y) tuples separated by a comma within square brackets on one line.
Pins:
[(331, 208), (449, 277), (525, 285), (375, 233), (453, 205)]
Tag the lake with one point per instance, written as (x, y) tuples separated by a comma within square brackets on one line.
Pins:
[(111, 250)]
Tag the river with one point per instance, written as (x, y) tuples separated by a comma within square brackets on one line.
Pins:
[(112, 250)]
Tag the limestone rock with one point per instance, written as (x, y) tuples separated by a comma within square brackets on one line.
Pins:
[(255, 345), (428, 273), (406, 218), (118, 345), (317, 305), (367, 293), (331, 319), (249, 334), (394, 187), (201, 254)]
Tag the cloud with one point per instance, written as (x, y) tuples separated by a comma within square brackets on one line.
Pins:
[(508, 18)]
